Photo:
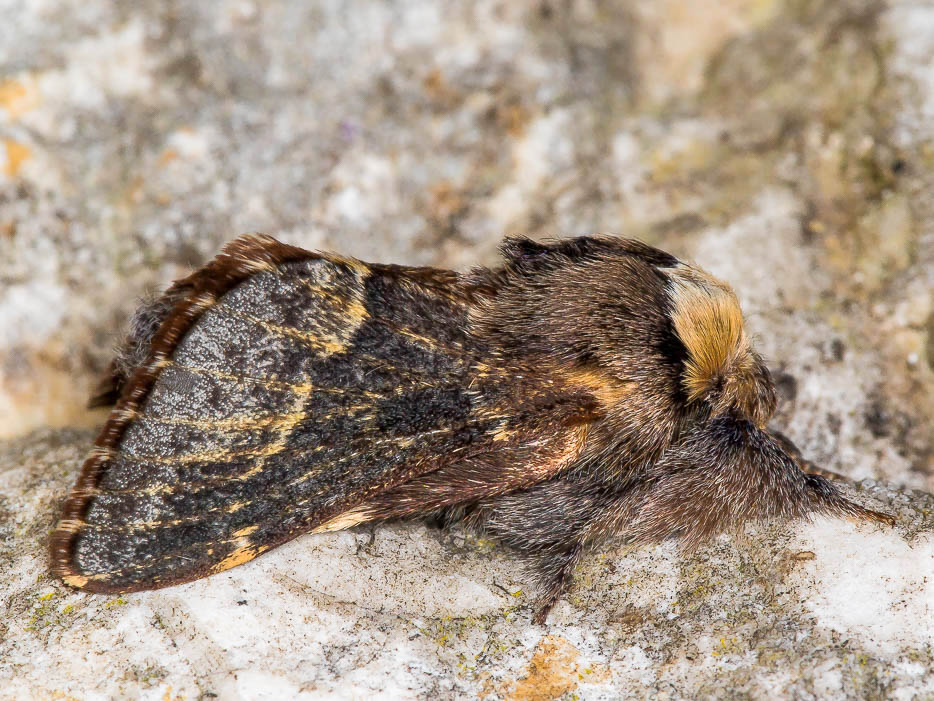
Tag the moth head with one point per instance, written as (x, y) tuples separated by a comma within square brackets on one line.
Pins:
[(721, 369)]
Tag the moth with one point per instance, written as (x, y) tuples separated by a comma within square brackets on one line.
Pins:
[(587, 388)]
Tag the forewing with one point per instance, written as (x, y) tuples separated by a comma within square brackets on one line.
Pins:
[(284, 388)]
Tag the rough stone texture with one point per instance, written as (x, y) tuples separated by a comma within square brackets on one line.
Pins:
[(807, 611), (787, 145)]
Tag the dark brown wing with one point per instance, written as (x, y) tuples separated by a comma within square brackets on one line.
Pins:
[(135, 348), (282, 390)]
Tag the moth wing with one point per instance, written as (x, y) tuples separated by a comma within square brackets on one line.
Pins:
[(281, 390), (134, 350)]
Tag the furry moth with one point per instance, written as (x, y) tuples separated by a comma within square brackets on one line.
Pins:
[(587, 388)]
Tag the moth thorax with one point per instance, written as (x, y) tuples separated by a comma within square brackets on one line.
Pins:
[(720, 367)]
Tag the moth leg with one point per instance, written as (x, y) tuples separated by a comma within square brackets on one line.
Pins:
[(550, 525), (523, 520), (556, 570), (853, 511)]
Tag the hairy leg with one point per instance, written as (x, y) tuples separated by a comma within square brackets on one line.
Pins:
[(550, 525)]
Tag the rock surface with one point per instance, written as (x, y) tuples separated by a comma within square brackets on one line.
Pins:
[(811, 610), (787, 146)]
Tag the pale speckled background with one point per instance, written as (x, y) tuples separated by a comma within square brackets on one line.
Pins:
[(787, 145)]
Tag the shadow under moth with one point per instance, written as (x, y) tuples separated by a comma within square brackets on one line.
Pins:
[(587, 388)]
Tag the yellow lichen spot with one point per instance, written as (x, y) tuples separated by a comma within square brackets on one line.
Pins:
[(169, 155), (244, 532), (169, 696), (554, 671), (17, 97), (16, 155)]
